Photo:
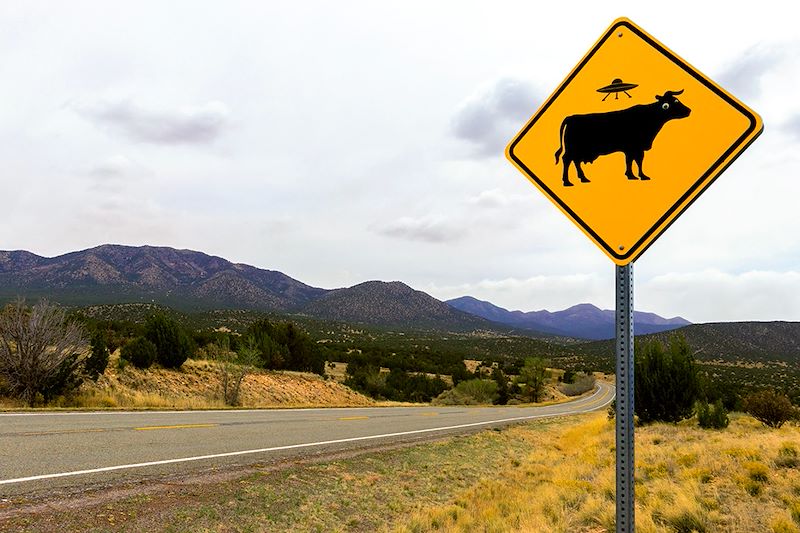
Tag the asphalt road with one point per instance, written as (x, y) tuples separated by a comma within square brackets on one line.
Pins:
[(71, 450)]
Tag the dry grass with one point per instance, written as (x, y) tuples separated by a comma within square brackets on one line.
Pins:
[(197, 385), (743, 479)]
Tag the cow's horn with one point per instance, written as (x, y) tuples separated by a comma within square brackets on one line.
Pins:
[(673, 93)]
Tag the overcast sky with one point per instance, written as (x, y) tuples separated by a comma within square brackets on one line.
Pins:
[(340, 142)]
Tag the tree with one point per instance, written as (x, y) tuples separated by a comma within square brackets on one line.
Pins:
[(501, 379), (666, 383), (139, 352), (233, 366), (532, 377), (173, 345), (41, 352), (97, 361)]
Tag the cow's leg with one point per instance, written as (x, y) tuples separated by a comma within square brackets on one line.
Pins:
[(565, 177), (628, 166), (581, 175), (639, 158)]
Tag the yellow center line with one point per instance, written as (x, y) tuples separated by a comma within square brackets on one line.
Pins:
[(62, 432), (429, 414), (178, 426), (353, 418)]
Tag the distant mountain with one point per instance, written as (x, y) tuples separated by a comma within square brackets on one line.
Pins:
[(392, 304), (193, 281), (183, 279), (583, 321)]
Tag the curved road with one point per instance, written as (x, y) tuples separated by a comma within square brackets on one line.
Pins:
[(68, 450)]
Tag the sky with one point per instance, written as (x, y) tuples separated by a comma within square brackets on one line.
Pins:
[(340, 142)]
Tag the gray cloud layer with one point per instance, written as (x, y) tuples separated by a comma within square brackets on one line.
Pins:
[(426, 229), (491, 116), (743, 77), (190, 125)]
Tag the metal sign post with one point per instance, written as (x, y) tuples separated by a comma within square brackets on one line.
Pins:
[(624, 416)]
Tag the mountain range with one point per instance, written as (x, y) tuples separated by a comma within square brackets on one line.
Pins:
[(188, 280), (584, 321)]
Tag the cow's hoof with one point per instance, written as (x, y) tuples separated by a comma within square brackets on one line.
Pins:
[(584, 180), (644, 178), (567, 184), (632, 178)]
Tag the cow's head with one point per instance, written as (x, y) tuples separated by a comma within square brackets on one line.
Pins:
[(671, 106)]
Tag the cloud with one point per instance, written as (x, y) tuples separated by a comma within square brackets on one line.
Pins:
[(535, 293), (714, 296), (792, 126), (490, 199), (743, 77), (427, 229), (188, 125), (494, 113)]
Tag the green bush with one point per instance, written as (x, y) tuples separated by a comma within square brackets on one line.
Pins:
[(140, 352), (770, 408), (97, 361), (667, 385), (713, 416), (173, 345)]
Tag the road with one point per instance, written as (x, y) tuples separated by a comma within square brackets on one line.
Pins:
[(41, 452)]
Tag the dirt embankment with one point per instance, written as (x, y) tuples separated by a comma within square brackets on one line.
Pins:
[(198, 385)]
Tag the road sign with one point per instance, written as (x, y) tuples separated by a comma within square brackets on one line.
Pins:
[(630, 139)]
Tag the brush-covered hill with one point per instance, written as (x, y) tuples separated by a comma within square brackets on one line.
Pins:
[(183, 279), (392, 304), (728, 341)]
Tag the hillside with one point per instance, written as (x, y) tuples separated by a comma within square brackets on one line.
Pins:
[(729, 341), (196, 385), (583, 321), (392, 304), (184, 279)]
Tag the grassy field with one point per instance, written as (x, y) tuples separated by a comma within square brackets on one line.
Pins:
[(546, 476)]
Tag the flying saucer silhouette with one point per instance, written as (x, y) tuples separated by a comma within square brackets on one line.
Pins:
[(617, 86)]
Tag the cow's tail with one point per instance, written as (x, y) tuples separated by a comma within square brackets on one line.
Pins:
[(561, 140)]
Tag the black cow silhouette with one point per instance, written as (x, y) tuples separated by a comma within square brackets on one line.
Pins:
[(583, 138)]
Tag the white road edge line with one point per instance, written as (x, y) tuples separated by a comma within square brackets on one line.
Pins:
[(296, 446)]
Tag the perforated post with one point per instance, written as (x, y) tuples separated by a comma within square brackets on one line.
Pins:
[(624, 416)]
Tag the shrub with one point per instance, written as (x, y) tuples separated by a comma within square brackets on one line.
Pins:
[(97, 361), (666, 384), (787, 456), (139, 352), (481, 390), (173, 345), (41, 353), (580, 383), (770, 408), (713, 416)]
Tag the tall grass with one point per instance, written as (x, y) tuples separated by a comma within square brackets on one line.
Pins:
[(742, 479)]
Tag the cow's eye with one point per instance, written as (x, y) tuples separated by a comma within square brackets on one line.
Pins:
[(665, 106)]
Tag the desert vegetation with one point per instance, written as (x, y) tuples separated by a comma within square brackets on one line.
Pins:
[(745, 478)]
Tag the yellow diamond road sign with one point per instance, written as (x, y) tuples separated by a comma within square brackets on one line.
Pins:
[(630, 139)]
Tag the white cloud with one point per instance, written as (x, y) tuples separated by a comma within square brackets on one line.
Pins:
[(713, 295), (491, 116), (200, 124), (744, 76), (427, 229)]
